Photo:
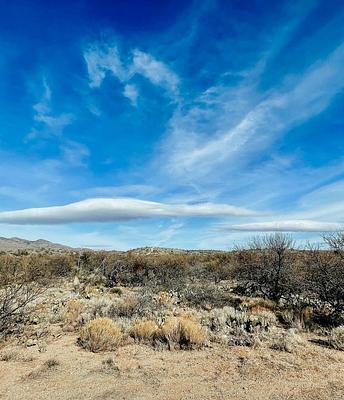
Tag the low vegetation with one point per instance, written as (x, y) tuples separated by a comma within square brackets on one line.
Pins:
[(263, 295), (100, 334)]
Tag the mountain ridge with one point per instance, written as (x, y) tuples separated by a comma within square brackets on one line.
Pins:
[(16, 243)]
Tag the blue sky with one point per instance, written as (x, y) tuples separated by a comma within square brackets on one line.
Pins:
[(191, 124)]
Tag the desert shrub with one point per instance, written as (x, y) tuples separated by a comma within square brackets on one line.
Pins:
[(15, 302), (240, 337), (284, 341), (182, 332), (219, 267), (125, 307), (100, 334), (228, 319), (144, 330), (74, 309), (325, 277), (142, 305), (268, 267), (239, 327), (34, 267), (297, 317), (336, 338), (257, 305), (204, 295), (100, 307), (128, 270)]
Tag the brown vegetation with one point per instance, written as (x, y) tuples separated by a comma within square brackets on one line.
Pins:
[(268, 297)]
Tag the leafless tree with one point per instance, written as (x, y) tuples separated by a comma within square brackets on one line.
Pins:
[(325, 272), (14, 301), (336, 242), (267, 265)]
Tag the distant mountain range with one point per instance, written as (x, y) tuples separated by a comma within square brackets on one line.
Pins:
[(14, 244)]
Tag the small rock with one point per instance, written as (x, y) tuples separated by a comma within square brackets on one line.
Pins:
[(30, 343)]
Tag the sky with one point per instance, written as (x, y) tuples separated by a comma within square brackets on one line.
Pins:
[(190, 124)]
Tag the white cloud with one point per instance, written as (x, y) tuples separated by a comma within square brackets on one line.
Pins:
[(100, 59), (56, 123), (155, 71), (104, 210), (167, 234), (104, 58), (287, 226), (47, 122), (131, 93), (228, 127), (75, 153)]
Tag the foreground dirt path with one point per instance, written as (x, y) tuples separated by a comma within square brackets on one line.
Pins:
[(213, 373)]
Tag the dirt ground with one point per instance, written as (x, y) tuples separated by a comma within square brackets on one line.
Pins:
[(140, 372)]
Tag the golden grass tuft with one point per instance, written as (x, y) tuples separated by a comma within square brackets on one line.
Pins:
[(100, 334), (144, 330), (183, 331), (74, 308)]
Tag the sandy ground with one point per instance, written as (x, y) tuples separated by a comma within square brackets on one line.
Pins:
[(219, 372)]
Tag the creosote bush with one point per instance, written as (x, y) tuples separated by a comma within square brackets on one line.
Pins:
[(100, 334)]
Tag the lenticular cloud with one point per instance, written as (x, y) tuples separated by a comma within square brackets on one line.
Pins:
[(106, 210)]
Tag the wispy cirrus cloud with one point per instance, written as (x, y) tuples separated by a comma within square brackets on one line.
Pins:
[(257, 123), (103, 58), (155, 71), (74, 153), (104, 210), (46, 122), (286, 226)]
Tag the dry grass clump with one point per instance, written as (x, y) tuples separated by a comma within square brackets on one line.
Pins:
[(183, 332), (74, 309), (100, 334), (144, 330), (9, 355), (12, 354), (109, 366), (336, 338), (43, 369)]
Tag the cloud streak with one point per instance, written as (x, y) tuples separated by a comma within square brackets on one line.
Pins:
[(256, 126), (286, 226), (106, 210)]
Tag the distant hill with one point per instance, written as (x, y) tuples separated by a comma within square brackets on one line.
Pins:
[(145, 251), (14, 244)]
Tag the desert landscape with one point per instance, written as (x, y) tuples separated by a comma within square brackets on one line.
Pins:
[(150, 323), (171, 200)]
